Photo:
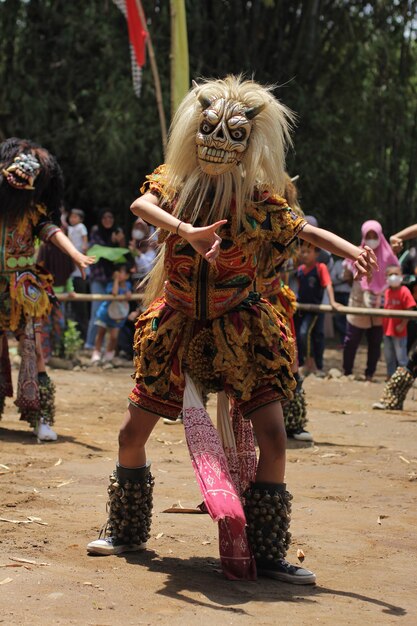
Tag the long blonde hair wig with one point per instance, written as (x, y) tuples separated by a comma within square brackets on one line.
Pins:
[(263, 162), (262, 166)]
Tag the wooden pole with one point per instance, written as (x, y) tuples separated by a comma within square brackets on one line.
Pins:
[(354, 310), (97, 297), (155, 73), (311, 308)]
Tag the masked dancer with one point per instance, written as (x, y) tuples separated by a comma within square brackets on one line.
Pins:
[(217, 202), (31, 187)]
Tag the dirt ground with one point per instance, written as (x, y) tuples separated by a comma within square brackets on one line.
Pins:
[(354, 516)]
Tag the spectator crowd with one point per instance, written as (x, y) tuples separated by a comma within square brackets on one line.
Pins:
[(319, 278), (105, 328), (123, 260)]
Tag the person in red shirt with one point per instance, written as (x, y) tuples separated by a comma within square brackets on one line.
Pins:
[(397, 298), (313, 279), (397, 387)]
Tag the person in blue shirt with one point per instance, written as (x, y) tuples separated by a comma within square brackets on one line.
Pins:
[(111, 315), (313, 280)]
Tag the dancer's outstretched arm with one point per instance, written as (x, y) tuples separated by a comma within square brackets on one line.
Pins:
[(82, 261), (364, 260), (203, 239), (397, 240)]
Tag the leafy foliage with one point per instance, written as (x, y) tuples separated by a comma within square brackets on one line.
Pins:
[(348, 68), (72, 340)]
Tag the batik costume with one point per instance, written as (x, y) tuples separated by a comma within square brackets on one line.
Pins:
[(211, 323), (211, 332), (30, 190)]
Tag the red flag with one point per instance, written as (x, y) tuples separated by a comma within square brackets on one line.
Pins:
[(137, 33), (137, 39)]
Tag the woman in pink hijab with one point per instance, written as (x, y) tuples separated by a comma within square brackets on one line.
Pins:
[(368, 293)]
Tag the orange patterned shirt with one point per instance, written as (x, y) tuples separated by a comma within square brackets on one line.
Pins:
[(203, 290)]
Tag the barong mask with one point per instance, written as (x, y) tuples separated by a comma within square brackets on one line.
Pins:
[(21, 174), (223, 134), (29, 175), (227, 144)]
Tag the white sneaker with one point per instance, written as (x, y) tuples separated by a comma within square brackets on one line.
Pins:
[(302, 435), (106, 547), (379, 405), (45, 433), (95, 357), (169, 422)]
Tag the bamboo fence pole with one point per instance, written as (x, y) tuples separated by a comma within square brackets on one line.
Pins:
[(310, 308)]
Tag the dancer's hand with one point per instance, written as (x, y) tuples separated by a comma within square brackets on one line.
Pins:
[(366, 264), (203, 239), (396, 244), (82, 261)]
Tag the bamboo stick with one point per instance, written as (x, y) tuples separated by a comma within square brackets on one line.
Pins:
[(311, 308), (97, 297), (353, 310)]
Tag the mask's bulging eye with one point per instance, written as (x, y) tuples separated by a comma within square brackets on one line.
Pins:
[(222, 138), (206, 128), (239, 134)]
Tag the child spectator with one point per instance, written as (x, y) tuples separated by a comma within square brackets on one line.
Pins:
[(61, 266), (342, 284), (77, 234), (142, 248), (112, 315), (313, 279), (77, 231), (397, 298), (107, 234)]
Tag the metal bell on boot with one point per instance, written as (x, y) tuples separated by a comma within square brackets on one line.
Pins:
[(130, 512), (268, 514), (395, 390)]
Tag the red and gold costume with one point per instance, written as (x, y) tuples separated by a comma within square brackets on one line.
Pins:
[(30, 192), (207, 330), (270, 284), (209, 320), (24, 286)]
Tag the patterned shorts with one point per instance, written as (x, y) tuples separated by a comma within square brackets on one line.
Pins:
[(172, 407)]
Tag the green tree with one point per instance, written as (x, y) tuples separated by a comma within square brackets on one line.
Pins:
[(348, 69)]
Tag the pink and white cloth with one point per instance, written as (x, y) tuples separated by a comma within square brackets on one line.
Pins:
[(220, 491)]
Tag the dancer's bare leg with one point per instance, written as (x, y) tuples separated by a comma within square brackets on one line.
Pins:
[(268, 424), (133, 435), (269, 536), (127, 530)]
